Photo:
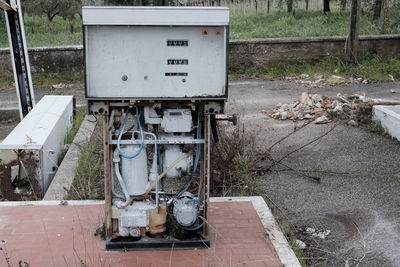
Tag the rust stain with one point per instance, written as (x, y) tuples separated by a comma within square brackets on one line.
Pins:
[(29, 164)]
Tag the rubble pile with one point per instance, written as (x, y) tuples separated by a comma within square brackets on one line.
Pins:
[(317, 107), (319, 80)]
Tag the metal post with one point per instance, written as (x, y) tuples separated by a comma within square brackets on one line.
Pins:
[(19, 55)]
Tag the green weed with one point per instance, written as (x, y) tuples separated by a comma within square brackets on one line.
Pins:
[(373, 68), (43, 78), (376, 127), (89, 180), (291, 237), (79, 116)]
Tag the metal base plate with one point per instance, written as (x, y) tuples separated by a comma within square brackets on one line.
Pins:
[(147, 243)]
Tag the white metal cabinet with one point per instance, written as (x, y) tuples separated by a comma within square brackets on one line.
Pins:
[(42, 132)]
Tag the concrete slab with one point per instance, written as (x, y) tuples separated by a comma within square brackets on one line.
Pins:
[(49, 234), (389, 116)]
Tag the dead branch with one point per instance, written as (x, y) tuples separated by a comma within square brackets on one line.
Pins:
[(295, 130), (314, 178), (307, 144)]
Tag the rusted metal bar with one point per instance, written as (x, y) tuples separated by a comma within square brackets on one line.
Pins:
[(107, 178)]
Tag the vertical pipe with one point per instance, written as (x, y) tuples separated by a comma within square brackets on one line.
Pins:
[(208, 147), (107, 178)]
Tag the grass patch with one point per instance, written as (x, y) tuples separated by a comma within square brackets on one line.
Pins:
[(79, 116), (250, 24), (244, 24), (291, 237), (89, 179), (39, 32), (47, 78), (372, 68), (43, 78), (376, 127)]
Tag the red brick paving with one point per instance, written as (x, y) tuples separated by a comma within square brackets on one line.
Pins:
[(64, 236)]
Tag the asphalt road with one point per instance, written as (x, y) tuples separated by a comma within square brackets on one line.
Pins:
[(360, 207)]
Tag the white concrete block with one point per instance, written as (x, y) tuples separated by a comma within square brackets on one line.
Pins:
[(389, 116)]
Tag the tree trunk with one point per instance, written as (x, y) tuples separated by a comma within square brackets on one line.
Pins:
[(352, 45), (326, 6), (289, 6), (343, 4), (268, 5), (377, 9), (307, 4)]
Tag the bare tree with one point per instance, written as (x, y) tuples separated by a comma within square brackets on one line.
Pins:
[(352, 44), (377, 9), (289, 6), (343, 4), (326, 7)]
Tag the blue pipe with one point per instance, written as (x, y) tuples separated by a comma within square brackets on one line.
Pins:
[(194, 227), (197, 201), (137, 153)]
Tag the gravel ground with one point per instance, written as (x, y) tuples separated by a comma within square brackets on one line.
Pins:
[(361, 206)]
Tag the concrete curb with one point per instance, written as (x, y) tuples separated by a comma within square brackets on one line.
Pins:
[(389, 116), (9, 114), (65, 175)]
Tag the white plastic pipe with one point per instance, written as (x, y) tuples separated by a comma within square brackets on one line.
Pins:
[(122, 205)]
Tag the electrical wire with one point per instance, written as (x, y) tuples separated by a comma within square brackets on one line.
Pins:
[(196, 159)]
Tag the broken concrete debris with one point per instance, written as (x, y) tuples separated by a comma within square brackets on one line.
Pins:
[(300, 244), (322, 108), (322, 120), (314, 233), (322, 234), (352, 123), (319, 80)]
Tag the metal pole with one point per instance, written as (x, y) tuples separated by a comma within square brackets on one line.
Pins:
[(19, 55)]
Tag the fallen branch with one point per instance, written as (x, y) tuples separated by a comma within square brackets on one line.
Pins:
[(291, 133), (314, 178), (307, 144)]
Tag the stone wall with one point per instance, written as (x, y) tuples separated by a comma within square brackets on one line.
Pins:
[(48, 59), (253, 52), (261, 51)]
